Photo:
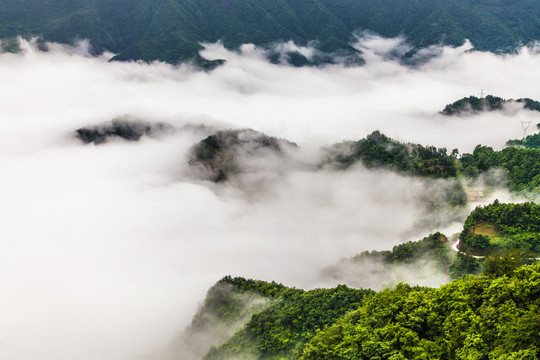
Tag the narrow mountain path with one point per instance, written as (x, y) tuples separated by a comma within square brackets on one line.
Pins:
[(455, 247)]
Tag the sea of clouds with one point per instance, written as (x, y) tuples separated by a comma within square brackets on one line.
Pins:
[(107, 250)]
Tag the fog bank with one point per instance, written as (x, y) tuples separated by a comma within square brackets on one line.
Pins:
[(106, 250)]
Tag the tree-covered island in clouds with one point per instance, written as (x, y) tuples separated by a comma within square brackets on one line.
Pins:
[(230, 152), (473, 105), (124, 128), (173, 30)]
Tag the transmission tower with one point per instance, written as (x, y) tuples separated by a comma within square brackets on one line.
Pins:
[(525, 125), (482, 93)]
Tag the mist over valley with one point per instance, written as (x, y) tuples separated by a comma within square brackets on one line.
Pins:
[(130, 188)]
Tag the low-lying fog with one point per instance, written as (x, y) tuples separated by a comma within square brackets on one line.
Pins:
[(106, 250)]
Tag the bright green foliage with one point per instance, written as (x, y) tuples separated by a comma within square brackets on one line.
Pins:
[(470, 318), (476, 243), (505, 263), (282, 328), (517, 227), (530, 142), (522, 166), (172, 30), (378, 150), (509, 218)]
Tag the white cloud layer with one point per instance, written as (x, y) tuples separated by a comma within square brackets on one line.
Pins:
[(105, 251)]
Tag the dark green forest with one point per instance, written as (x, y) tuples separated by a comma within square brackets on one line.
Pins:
[(378, 150), (521, 165), (172, 30), (292, 317)]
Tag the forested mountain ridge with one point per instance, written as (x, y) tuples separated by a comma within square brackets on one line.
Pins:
[(172, 30), (475, 317), (521, 165), (471, 318)]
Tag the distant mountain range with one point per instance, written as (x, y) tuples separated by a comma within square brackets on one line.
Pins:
[(172, 30)]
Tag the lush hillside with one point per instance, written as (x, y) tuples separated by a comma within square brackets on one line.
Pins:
[(521, 165), (172, 30), (501, 227), (471, 318), (378, 150), (288, 320), (491, 316)]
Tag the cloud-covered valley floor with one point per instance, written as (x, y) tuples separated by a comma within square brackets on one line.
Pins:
[(106, 250)]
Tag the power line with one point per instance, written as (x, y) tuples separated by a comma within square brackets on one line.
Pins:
[(525, 125)]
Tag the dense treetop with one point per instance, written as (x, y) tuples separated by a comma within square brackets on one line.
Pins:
[(172, 30), (471, 318), (521, 165), (279, 330), (491, 316), (378, 150), (500, 227)]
